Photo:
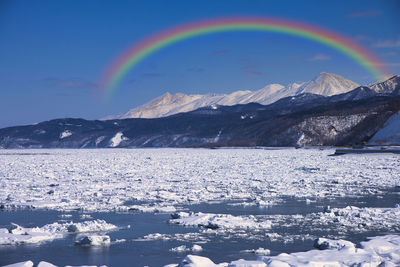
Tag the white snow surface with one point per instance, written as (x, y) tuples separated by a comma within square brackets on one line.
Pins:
[(390, 133), (17, 235), (104, 180), (65, 134), (377, 251), (115, 140), (324, 84)]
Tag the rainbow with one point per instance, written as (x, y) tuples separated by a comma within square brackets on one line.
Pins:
[(128, 60)]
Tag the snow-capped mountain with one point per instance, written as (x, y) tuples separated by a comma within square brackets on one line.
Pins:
[(325, 84), (388, 87)]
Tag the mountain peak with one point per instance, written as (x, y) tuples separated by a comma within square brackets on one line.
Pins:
[(327, 84)]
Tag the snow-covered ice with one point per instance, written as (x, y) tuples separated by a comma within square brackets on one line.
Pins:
[(105, 180), (171, 180), (377, 251), (183, 248), (215, 221), (93, 240), (17, 235)]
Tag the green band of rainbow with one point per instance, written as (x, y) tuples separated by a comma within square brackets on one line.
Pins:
[(139, 52)]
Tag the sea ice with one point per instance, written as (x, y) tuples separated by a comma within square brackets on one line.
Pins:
[(21, 264), (215, 221), (93, 240), (183, 248), (17, 235), (378, 251), (105, 180), (324, 243)]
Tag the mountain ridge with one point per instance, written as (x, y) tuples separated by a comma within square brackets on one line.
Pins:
[(326, 84)]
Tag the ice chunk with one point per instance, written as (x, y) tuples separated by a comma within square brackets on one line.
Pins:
[(45, 264), (378, 251), (324, 243), (196, 261), (18, 235), (20, 264), (215, 221), (244, 263), (93, 240), (90, 226), (183, 248), (196, 248), (259, 251)]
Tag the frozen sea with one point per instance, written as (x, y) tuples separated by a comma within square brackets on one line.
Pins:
[(230, 202)]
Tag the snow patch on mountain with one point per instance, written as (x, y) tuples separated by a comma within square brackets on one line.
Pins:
[(390, 133), (387, 87), (117, 139), (325, 84), (65, 134)]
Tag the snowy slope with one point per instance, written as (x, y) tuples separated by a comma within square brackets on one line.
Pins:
[(324, 84), (390, 133), (388, 87)]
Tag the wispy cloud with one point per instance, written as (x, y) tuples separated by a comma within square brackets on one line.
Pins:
[(365, 14), (152, 75), (362, 37), (320, 57), (73, 83), (388, 43), (195, 69), (252, 73), (221, 52), (391, 53)]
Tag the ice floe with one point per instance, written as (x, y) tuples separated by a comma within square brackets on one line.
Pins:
[(17, 235), (215, 221), (258, 251), (93, 240), (183, 248)]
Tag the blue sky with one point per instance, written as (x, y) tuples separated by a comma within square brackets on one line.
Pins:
[(52, 53)]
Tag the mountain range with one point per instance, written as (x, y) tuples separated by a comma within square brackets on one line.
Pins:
[(325, 84), (359, 115)]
